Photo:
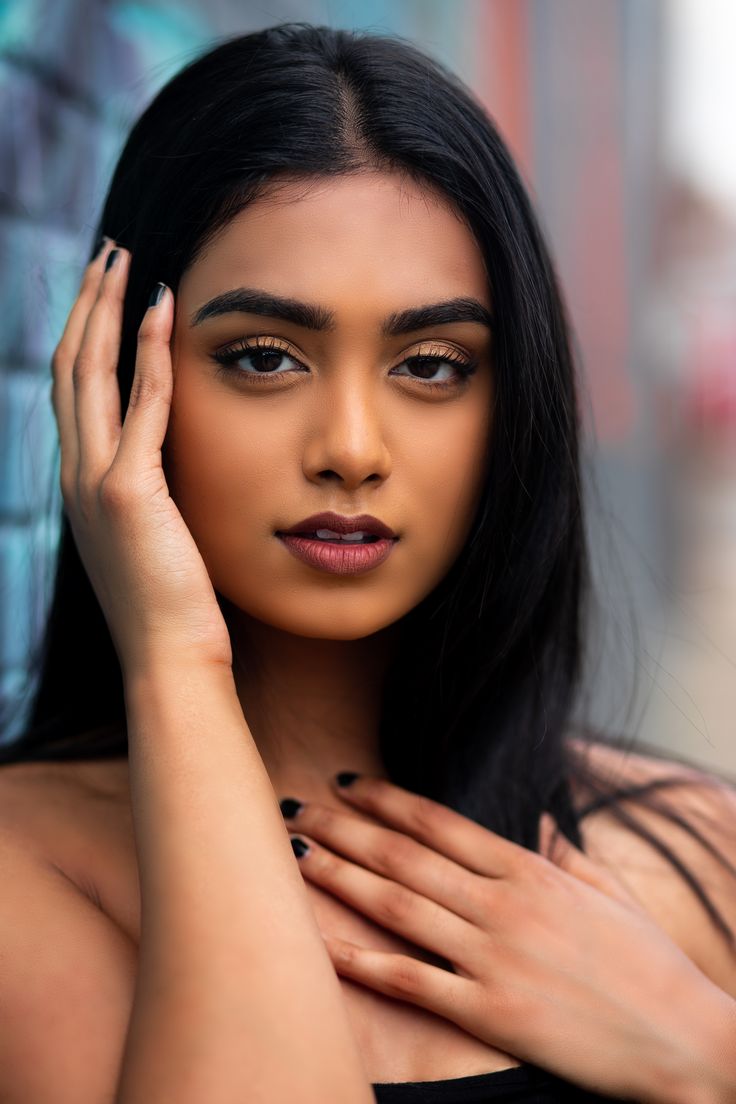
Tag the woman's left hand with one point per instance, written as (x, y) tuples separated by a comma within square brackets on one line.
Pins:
[(554, 960)]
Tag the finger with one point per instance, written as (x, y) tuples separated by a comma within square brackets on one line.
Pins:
[(404, 978), (62, 364), (441, 828), (399, 858), (147, 416), (549, 834), (397, 908), (96, 390), (558, 849)]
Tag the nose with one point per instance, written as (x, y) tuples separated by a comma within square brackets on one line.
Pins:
[(347, 442)]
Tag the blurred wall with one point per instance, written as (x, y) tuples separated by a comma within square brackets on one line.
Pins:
[(580, 90)]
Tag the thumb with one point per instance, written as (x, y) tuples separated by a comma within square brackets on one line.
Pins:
[(147, 415)]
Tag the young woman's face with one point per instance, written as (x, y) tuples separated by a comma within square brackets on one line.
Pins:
[(334, 414)]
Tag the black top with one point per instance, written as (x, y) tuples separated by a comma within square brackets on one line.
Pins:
[(524, 1084)]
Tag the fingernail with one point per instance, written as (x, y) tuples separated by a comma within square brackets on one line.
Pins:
[(157, 295), (346, 778), (290, 807), (100, 245), (298, 846), (111, 259)]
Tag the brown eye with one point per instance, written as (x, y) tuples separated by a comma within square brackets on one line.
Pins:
[(425, 365), (266, 357)]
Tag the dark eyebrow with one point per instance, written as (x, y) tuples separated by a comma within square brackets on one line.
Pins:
[(311, 317)]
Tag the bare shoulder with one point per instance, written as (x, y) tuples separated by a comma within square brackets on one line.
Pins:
[(77, 817), (60, 954), (49, 800), (708, 805)]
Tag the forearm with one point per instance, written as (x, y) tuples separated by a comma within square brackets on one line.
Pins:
[(236, 997)]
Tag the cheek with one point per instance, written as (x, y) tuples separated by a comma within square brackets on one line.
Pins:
[(225, 472), (234, 479), (447, 477)]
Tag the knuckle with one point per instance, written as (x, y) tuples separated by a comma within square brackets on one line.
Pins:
[(501, 904), (83, 365), (107, 296), (59, 360), (403, 974), (483, 950), (325, 864), (323, 820), (109, 301), (114, 490), (394, 904), (373, 795), (511, 1008), (538, 871), (480, 892), (426, 815), (347, 953), (392, 853), (147, 332), (146, 386)]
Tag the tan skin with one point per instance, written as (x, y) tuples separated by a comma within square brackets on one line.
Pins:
[(347, 436), (360, 432), (353, 435)]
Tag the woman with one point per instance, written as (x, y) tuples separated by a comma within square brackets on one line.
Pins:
[(354, 315)]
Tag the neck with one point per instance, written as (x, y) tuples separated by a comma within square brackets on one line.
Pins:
[(312, 705)]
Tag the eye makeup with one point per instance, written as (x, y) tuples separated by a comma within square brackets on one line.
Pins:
[(265, 349)]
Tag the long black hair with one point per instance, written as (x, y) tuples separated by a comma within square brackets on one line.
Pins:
[(477, 710)]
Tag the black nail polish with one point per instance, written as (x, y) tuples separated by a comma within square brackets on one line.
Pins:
[(157, 295), (290, 807), (100, 245), (113, 256), (346, 778), (298, 846)]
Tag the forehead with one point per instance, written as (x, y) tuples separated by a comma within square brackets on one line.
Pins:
[(371, 232)]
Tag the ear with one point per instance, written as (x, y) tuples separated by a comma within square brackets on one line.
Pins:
[(558, 849)]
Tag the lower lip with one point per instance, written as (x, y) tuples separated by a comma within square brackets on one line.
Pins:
[(340, 559)]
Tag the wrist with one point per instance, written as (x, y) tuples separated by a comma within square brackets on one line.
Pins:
[(177, 683), (159, 667)]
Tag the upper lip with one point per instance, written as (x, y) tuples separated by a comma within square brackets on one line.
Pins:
[(340, 523)]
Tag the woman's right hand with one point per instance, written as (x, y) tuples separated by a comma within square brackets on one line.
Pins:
[(141, 559)]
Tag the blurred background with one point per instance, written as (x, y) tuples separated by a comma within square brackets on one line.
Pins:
[(620, 114)]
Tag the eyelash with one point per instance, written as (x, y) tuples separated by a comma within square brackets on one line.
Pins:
[(227, 359)]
